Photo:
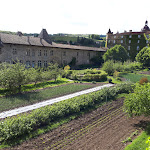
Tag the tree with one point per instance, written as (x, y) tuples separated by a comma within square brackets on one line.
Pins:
[(117, 53), (54, 70), (13, 76), (138, 103), (144, 57)]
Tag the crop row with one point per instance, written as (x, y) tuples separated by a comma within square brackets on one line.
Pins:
[(75, 135), (14, 127)]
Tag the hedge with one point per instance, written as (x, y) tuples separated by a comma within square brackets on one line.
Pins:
[(17, 126)]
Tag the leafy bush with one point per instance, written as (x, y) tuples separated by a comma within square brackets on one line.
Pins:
[(15, 127), (138, 103), (144, 56), (143, 80), (111, 66)]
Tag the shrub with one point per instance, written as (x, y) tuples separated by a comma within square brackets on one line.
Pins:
[(67, 67), (138, 103), (108, 67), (116, 74), (143, 80), (95, 77), (19, 125)]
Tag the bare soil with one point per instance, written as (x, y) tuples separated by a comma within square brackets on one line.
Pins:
[(102, 129), (145, 72)]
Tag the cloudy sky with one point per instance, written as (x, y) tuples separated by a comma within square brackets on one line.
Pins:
[(73, 16)]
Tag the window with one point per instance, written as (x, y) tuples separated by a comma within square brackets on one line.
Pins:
[(33, 64), (121, 36), (114, 36), (128, 47), (0, 51), (45, 52), (130, 36), (33, 53), (64, 53), (108, 41), (129, 41), (138, 47), (77, 54), (39, 53), (146, 41), (39, 63), (138, 41), (121, 41), (114, 41), (51, 52), (27, 64), (14, 51), (139, 36), (45, 64), (27, 52)]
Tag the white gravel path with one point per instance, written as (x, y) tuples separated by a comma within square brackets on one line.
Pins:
[(49, 102)]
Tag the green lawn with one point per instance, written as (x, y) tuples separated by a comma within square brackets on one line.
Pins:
[(40, 85), (134, 77), (139, 143), (14, 101)]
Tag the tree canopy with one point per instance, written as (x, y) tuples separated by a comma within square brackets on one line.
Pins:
[(117, 53), (144, 56)]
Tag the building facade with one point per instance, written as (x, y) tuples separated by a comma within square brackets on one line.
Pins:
[(39, 51), (132, 41)]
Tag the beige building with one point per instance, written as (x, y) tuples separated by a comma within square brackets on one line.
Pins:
[(41, 50)]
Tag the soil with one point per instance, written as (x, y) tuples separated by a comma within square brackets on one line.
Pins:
[(102, 129)]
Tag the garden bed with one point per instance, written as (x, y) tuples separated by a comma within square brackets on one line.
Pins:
[(104, 128)]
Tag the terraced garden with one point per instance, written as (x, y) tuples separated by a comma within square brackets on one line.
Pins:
[(104, 128)]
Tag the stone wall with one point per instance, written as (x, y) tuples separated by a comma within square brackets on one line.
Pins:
[(36, 55)]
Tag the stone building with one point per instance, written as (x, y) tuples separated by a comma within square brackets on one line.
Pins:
[(41, 50), (132, 41)]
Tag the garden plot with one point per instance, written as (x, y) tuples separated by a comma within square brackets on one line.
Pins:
[(104, 128)]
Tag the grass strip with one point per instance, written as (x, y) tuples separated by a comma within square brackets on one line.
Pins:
[(134, 77), (140, 142), (40, 85), (18, 100)]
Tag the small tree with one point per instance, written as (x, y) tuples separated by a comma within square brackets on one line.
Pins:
[(13, 76), (117, 53), (144, 57), (54, 70)]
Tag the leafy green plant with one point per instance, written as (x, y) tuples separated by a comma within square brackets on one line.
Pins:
[(138, 103)]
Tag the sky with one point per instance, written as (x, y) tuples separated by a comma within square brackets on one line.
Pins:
[(73, 16)]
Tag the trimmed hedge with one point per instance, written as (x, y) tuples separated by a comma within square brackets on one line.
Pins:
[(95, 77), (17, 126)]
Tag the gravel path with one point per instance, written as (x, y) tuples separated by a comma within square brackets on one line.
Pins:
[(49, 102)]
